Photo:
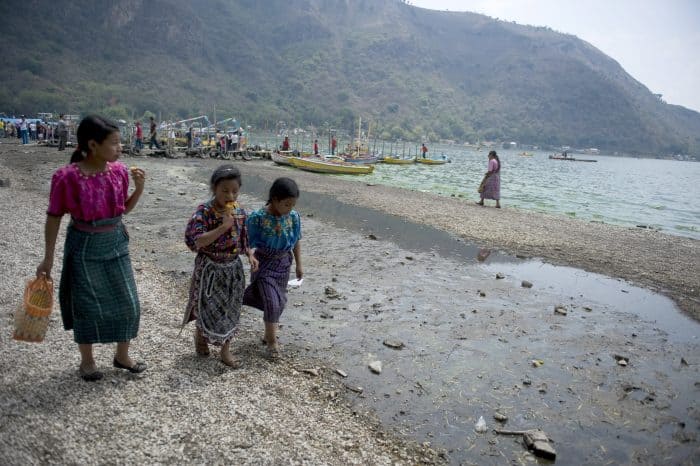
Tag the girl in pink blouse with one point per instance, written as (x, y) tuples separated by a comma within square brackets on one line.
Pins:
[(97, 292)]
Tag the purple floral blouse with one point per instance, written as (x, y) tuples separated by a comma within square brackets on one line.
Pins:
[(226, 246)]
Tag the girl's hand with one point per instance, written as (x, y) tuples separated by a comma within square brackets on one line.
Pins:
[(300, 272), (45, 268), (139, 177), (254, 264), (228, 219)]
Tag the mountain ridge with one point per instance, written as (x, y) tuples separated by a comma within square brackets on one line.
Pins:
[(418, 73)]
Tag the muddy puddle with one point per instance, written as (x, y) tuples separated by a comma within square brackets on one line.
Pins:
[(469, 339)]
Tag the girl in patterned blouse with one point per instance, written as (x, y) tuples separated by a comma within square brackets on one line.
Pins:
[(217, 233), (274, 232)]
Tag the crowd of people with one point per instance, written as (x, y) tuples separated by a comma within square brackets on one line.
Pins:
[(30, 130)]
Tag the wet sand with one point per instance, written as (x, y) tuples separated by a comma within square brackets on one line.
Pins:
[(469, 338)]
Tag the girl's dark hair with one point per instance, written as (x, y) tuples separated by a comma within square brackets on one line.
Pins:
[(283, 188), (225, 172), (495, 156), (92, 127)]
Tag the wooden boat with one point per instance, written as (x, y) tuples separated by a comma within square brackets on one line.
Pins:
[(282, 158), (570, 159), (430, 161), (398, 161), (367, 160), (322, 166)]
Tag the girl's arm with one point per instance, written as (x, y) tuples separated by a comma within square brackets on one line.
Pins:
[(297, 258), (53, 224), (205, 239), (139, 177)]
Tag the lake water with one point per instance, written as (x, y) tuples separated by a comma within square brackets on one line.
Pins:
[(661, 194)]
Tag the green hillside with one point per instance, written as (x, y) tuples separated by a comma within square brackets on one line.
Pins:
[(413, 72)]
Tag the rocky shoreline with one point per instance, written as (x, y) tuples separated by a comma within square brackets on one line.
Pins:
[(190, 410)]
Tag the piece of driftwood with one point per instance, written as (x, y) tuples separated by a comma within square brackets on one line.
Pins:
[(535, 440)]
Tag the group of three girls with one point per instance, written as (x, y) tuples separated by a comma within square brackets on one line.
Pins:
[(97, 291)]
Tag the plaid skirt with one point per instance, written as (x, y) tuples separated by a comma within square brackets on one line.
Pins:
[(268, 286), (216, 295), (97, 293)]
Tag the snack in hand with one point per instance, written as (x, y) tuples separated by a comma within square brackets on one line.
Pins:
[(231, 205), (133, 168)]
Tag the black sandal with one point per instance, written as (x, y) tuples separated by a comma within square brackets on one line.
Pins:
[(137, 368), (93, 376)]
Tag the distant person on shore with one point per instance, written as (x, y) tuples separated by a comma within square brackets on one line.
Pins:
[(62, 132), (315, 146), (217, 232), (2, 128), (423, 150), (285, 143), (24, 130), (274, 234), (189, 137), (153, 135), (490, 187), (234, 141), (334, 145), (97, 292), (139, 136)]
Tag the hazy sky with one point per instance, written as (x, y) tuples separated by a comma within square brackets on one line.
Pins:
[(655, 41)]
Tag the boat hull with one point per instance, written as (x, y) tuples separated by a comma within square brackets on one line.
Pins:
[(397, 161), (319, 166), (430, 161)]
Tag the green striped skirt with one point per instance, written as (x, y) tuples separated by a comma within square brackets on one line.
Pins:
[(98, 296)]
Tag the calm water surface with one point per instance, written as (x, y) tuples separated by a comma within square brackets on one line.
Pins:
[(660, 194)]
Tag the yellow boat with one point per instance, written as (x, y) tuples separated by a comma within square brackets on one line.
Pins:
[(430, 161), (398, 161), (322, 166)]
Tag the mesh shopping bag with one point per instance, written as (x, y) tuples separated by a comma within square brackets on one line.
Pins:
[(32, 317)]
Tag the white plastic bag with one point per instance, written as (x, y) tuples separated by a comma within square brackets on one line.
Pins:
[(480, 425)]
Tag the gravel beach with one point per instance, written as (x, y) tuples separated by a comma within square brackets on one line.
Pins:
[(187, 409)]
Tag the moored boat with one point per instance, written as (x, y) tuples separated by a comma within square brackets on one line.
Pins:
[(322, 166), (282, 158), (365, 160), (398, 161), (430, 161), (570, 159)]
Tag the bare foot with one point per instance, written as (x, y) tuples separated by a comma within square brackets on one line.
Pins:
[(228, 359), (273, 353)]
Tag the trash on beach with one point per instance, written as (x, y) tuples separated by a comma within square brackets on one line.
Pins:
[(341, 372), (500, 417), (560, 309), (376, 367), (537, 362), (396, 344), (621, 360), (526, 284), (295, 283), (332, 293), (535, 440), (311, 371), (500, 276), (480, 426), (483, 254)]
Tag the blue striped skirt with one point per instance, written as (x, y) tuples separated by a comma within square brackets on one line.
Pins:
[(97, 293)]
